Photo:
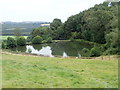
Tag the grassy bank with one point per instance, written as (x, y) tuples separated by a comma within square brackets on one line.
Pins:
[(78, 40), (44, 72), (5, 37)]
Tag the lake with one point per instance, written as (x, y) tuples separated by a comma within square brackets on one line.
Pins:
[(61, 48)]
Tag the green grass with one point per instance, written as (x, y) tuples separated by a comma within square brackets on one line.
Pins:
[(46, 72), (5, 37)]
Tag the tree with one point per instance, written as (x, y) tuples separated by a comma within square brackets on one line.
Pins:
[(21, 41), (85, 50), (44, 32), (49, 40), (3, 45), (11, 43), (91, 24), (35, 32), (56, 28), (17, 32), (112, 39), (70, 26), (55, 24), (95, 52), (37, 40), (29, 38)]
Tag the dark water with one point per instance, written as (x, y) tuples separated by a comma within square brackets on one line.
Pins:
[(62, 48)]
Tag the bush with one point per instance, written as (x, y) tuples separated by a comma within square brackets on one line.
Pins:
[(3, 45), (29, 38), (49, 40), (37, 40), (111, 51), (21, 41), (11, 43), (85, 50), (72, 39), (95, 52)]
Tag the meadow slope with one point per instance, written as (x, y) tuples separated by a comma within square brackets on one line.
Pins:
[(46, 72)]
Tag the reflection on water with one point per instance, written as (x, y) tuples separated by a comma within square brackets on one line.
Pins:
[(79, 55), (61, 48), (45, 51), (65, 54)]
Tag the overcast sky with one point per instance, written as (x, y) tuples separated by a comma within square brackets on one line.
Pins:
[(42, 10)]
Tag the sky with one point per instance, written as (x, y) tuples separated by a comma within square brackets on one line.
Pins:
[(42, 10)]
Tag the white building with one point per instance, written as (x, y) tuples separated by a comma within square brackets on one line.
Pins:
[(45, 25)]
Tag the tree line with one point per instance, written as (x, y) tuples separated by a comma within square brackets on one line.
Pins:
[(98, 24)]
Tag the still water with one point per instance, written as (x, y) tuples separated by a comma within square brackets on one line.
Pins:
[(61, 48)]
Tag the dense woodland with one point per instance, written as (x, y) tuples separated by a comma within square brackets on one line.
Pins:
[(98, 24)]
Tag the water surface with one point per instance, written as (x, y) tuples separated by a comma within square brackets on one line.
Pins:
[(62, 48)]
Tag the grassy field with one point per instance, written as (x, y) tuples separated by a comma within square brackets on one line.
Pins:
[(44, 72), (5, 37)]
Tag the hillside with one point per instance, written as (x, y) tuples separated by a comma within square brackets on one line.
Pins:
[(44, 72), (25, 27)]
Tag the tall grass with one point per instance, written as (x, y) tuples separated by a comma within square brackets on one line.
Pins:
[(46, 72)]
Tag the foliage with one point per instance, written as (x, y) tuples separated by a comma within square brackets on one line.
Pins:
[(112, 38), (95, 52), (3, 45), (11, 43), (41, 31), (17, 32), (21, 41), (92, 24), (75, 35), (29, 39), (111, 51), (56, 28), (72, 39), (112, 42), (98, 24), (49, 40), (85, 50), (37, 40)]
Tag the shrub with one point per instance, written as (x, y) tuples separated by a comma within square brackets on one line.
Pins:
[(44, 37), (29, 38), (37, 40), (11, 43), (49, 40), (72, 39), (21, 41), (95, 52), (3, 45), (85, 50), (111, 51), (74, 35)]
